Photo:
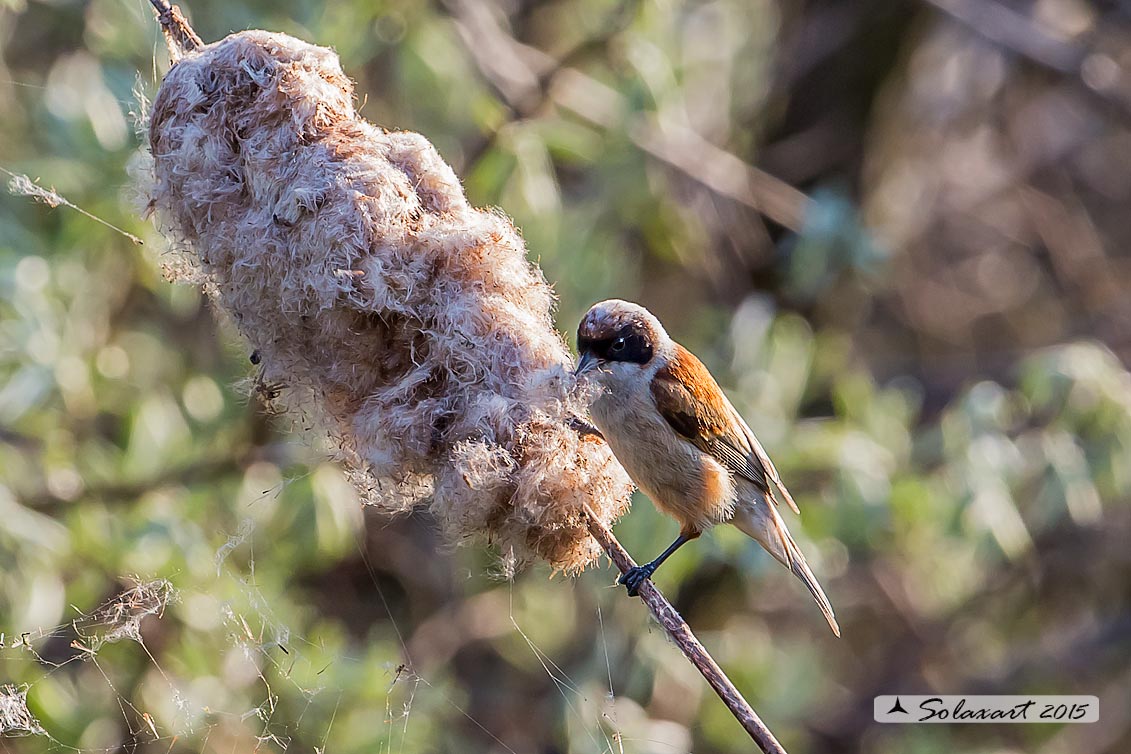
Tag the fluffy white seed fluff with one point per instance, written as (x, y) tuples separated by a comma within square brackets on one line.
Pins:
[(409, 323)]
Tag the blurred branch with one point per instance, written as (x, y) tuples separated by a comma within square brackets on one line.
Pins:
[(207, 470), (677, 628), (1018, 33), (520, 90), (1106, 733), (554, 80), (1015, 31), (721, 171), (19, 440), (929, 642)]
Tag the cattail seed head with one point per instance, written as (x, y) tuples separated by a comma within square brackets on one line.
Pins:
[(410, 324)]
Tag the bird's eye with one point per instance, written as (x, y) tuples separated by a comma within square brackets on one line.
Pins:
[(617, 346)]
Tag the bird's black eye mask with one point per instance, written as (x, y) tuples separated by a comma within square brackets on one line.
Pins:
[(629, 344)]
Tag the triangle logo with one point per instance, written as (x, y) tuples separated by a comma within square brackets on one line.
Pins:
[(898, 707)]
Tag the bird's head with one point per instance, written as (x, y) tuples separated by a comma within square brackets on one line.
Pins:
[(619, 339)]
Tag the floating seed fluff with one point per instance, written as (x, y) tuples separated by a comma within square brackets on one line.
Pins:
[(405, 321)]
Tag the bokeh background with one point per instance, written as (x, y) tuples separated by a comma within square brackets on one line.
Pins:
[(896, 231)]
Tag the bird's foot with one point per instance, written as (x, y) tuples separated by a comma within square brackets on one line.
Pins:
[(634, 577), (583, 428)]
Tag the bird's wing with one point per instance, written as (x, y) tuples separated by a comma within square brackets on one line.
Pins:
[(691, 402)]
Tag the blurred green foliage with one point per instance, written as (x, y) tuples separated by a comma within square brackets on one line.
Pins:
[(964, 503)]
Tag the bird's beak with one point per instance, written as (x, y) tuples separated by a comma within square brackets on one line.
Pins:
[(587, 363)]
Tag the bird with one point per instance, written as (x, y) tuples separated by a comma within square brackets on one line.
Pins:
[(674, 431)]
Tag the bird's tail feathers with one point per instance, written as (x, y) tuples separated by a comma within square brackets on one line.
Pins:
[(761, 522)]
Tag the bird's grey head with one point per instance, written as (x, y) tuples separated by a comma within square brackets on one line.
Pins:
[(616, 332)]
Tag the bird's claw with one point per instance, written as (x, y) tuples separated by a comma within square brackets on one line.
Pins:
[(634, 577), (583, 428)]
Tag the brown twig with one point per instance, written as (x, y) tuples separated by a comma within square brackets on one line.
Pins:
[(677, 628), (179, 36)]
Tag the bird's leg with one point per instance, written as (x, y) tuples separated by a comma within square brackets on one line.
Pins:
[(634, 577)]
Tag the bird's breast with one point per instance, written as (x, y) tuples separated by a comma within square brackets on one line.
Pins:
[(684, 482)]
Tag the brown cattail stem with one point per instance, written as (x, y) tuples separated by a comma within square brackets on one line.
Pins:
[(677, 628), (179, 36)]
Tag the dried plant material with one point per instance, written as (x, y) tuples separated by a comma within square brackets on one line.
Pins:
[(15, 717), (408, 323), (21, 185), (121, 617)]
